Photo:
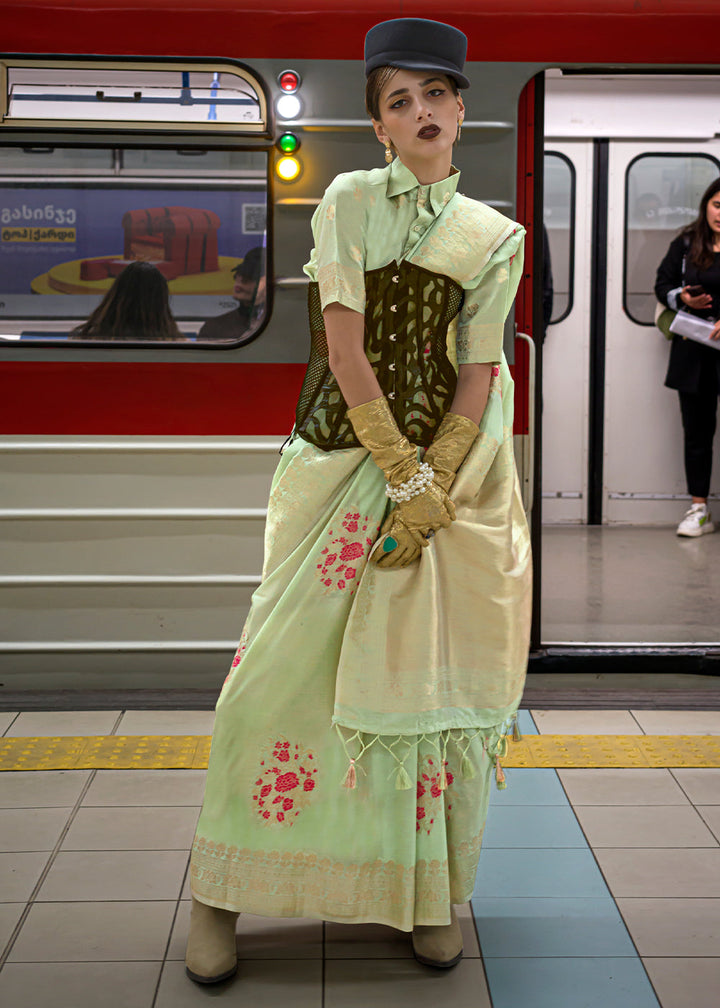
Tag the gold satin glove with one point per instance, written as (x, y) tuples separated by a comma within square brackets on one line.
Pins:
[(453, 440), (400, 546), (377, 431)]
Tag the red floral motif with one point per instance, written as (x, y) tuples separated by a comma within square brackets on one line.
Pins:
[(239, 655), (342, 560), (429, 791), (285, 783)]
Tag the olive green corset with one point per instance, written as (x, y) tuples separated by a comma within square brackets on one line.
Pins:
[(407, 314)]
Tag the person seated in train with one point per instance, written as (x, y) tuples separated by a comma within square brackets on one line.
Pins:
[(249, 289), (136, 307), (384, 654), (688, 279)]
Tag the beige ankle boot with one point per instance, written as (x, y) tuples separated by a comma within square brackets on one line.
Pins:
[(438, 945), (211, 954)]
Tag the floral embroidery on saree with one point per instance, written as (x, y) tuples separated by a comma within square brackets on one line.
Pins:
[(430, 792), (342, 561), (285, 784)]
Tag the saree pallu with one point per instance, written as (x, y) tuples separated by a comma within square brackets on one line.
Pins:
[(357, 732)]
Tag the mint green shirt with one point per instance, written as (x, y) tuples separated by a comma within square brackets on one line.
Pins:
[(368, 219)]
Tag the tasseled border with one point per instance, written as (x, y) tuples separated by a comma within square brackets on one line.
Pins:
[(495, 743)]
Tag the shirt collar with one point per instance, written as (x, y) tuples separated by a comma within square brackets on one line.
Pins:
[(402, 180)]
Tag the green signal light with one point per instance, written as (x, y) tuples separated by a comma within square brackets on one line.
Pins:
[(288, 143)]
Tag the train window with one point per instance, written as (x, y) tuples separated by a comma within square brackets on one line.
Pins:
[(88, 225), (559, 220), (131, 94), (68, 234), (662, 194)]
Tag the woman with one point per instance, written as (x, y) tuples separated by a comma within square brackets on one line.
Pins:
[(688, 279), (396, 677), (136, 307)]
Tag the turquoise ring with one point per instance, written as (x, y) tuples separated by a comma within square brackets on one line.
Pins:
[(389, 544)]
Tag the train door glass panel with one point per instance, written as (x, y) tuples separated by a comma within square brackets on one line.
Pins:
[(654, 190), (662, 195), (559, 221), (567, 202)]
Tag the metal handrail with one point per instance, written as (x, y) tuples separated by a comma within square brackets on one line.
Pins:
[(529, 485)]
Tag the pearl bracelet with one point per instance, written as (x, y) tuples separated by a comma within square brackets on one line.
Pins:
[(413, 487)]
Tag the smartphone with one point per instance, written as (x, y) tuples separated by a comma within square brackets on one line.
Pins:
[(696, 290)]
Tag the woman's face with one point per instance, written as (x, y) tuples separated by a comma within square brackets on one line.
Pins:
[(713, 215), (419, 115)]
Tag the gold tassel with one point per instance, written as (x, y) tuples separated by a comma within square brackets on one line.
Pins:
[(467, 767), (443, 780), (351, 776), (500, 776), (517, 734), (402, 781)]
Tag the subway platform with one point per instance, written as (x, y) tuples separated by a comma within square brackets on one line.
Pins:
[(599, 879)]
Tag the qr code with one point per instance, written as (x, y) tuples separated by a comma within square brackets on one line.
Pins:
[(253, 218)]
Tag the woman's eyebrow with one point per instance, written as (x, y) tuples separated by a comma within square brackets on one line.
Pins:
[(404, 89)]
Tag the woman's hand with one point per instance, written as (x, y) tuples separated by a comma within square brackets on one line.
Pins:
[(698, 303), (715, 334)]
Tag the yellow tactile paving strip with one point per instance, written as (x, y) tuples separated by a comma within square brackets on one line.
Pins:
[(191, 752)]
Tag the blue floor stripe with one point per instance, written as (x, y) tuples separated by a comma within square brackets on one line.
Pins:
[(550, 932)]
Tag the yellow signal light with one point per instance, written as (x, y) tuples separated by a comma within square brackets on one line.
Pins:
[(288, 169)]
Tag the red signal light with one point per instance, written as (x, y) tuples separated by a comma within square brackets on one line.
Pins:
[(289, 81)]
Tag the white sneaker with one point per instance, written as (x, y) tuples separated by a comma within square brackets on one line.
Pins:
[(697, 521)]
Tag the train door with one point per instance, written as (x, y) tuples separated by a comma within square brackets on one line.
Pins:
[(626, 162)]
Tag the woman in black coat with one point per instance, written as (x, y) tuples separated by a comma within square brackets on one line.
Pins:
[(688, 279)]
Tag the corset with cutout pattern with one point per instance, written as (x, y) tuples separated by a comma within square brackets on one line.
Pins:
[(407, 314)]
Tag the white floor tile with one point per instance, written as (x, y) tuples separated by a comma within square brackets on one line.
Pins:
[(41, 788), (50, 723), (660, 722), (155, 722), (19, 874), (622, 787), (146, 787), (685, 983), (31, 829), (10, 914), (645, 826), (77, 876), (661, 872), (350, 984), (94, 932), (585, 722), (6, 719), (138, 828), (71, 985), (663, 928), (700, 784)]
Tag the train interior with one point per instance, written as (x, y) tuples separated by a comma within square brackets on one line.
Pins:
[(627, 158)]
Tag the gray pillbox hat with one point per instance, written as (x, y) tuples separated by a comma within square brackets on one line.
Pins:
[(417, 44)]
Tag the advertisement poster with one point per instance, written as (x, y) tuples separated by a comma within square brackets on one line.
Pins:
[(62, 247)]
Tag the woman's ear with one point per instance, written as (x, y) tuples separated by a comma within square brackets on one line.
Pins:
[(380, 132), (461, 109)]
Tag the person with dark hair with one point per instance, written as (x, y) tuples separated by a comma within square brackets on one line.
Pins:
[(688, 279), (136, 307), (249, 289), (384, 655)]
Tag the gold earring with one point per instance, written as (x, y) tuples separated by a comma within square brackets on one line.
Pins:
[(388, 154), (459, 131)]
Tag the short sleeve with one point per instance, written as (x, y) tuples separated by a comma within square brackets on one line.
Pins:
[(487, 303), (337, 261)]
